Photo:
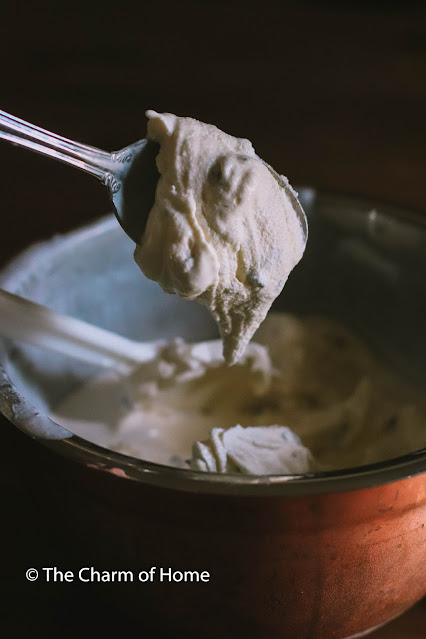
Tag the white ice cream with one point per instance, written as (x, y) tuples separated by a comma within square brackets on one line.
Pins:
[(254, 450), (223, 229), (309, 385)]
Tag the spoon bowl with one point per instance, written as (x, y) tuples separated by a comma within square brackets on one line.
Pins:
[(132, 186)]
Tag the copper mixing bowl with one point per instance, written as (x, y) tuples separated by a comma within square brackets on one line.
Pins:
[(318, 556)]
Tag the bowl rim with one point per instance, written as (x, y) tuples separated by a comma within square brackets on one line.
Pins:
[(18, 410)]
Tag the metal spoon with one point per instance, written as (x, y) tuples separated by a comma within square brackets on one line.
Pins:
[(130, 174)]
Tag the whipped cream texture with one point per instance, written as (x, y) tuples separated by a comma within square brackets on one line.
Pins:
[(223, 230), (307, 395), (253, 450)]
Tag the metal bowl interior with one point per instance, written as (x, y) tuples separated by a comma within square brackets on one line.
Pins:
[(363, 265)]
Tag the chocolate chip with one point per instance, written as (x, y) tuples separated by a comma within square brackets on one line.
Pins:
[(309, 400), (126, 402), (216, 173), (390, 424), (262, 406)]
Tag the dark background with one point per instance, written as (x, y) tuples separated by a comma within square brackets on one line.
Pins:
[(330, 93)]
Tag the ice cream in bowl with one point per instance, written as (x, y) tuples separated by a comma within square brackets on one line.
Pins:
[(295, 477)]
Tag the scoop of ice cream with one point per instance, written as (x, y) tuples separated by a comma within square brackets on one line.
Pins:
[(223, 229), (255, 450)]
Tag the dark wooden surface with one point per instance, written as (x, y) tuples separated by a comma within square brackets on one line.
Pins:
[(330, 93)]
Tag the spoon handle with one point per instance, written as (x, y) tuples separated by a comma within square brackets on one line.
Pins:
[(90, 159), (40, 326)]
